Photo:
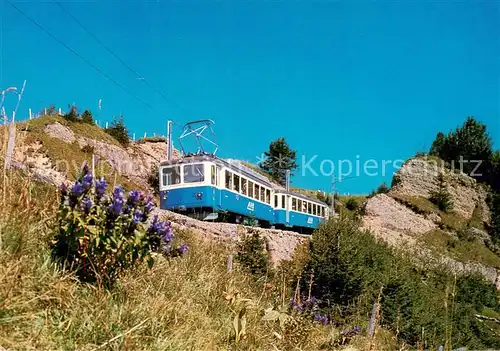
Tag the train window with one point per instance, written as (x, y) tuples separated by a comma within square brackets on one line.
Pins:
[(309, 209), (322, 211), (294, 204), (268, 196), (212, 175), (171, 175), (315, 209), (236, 183), (262, 194), (256, 192), (299, 205), (194, 173), (243, 186), (229, 180), (250, 189), (275, 200), (283, 201)]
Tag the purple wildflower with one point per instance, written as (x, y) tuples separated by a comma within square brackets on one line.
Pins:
[(134, 197), (100, 187), (87, 204), (138, 216), (312, 302), (168, 234), (183, 249), (320, 318), (77, 189), (149, 204), (116, 206), (85, 168), (87, 181), (64, 189), (163, 229), (351, 332)]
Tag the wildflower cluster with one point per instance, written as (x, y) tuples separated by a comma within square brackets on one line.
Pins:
[(99, 235), (351, 332), (309, 306)]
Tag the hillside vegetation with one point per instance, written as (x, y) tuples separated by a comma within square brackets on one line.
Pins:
[(347, 287)]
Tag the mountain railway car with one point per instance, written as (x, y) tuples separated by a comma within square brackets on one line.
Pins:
[(209, 188)]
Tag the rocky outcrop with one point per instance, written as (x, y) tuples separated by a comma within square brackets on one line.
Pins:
[(280, 244), (134, 162), (401, 227), (419, 177), (393, 222), (57, 130)]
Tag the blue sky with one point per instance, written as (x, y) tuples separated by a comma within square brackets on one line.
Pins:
[(341, 80)]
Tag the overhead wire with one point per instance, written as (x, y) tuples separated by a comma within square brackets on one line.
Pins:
[(116, 56), (90, 64)]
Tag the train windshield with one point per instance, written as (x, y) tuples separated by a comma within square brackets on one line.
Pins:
[(171, 175), (194, 173)]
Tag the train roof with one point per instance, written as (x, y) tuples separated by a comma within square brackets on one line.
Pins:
[(238, 167)]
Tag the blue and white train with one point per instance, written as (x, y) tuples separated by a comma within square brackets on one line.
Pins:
[(209, 188)]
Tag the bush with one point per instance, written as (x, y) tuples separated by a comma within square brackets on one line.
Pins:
[(466, 144), (119, 131), (99, 236), (347, 262), (87, 117), (351, 268), (495, 218), (351, 205), (72, 115), (252, 254), (382, 189), (441, 197), (154, 179), (88, 149)]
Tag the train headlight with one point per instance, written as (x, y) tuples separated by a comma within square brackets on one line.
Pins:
[(199, 196)]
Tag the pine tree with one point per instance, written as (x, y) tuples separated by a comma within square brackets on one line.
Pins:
[(441, 197), (279, 159), (119, 131), (72, 115), (87, 117)]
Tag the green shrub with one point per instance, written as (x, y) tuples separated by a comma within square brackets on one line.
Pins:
[(381, 189), (88, 149), (420, 306), (495, 218), (99, 236), (154, 179), (441, 197), (351, 205), (119, 131), (347, 262), (72, 115), (252, 254), (87, 117)]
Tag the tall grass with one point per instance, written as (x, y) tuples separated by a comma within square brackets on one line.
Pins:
[(187, 303)]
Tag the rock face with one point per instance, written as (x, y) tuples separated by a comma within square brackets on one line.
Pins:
[(29, 157), (393, 222), (134, 162), (57, 130), (280, 244), (401, 227), (419, 177)]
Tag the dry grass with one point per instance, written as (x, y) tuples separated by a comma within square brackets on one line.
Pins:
[(180, 304)]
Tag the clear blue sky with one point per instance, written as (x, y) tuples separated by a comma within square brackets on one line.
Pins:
[(376, 79)]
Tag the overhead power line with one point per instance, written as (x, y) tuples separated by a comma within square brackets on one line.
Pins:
[(104, 74), (109, 50)]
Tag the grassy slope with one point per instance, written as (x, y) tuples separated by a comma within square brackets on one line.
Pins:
[(71, 155), (182, 304), (473, 250)]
